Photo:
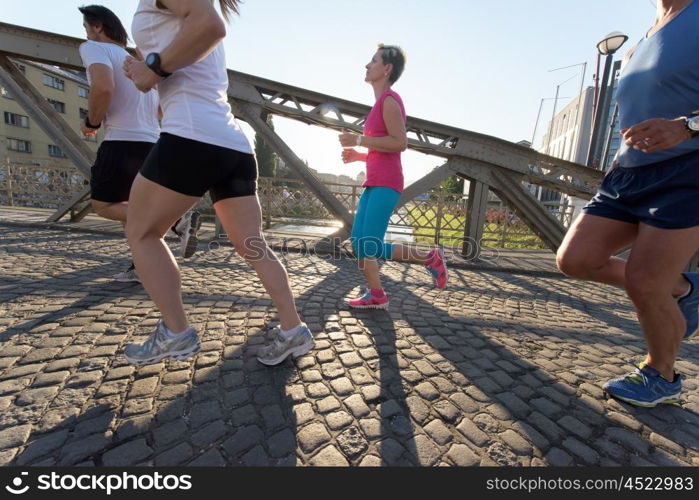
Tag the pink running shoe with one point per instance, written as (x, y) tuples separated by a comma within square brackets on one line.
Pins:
[(437, 267), (369, 301)]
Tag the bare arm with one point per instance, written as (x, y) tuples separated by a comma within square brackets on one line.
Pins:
[(202, 29), (101, 92), (396, 140)]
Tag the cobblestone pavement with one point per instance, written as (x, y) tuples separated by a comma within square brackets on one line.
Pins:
[(501, 369)]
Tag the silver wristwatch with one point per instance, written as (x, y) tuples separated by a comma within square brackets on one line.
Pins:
[(692, 124)]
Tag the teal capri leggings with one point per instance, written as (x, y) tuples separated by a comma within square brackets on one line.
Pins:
[(371, 221)]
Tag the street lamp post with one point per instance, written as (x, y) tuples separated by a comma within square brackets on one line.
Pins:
[(607, 47)]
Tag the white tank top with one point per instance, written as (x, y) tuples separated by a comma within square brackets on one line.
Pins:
[(132, 115), (195, 98)]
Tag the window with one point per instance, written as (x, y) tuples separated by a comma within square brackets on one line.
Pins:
[(83, 92), (83, 113), (57, 105), (52, 81), (16, 120), (19, 145), (56, 151)]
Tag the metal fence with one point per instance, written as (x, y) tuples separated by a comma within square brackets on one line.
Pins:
[(38, 183), (434, 218)]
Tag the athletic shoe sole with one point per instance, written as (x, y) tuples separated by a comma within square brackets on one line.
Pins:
[(175, 356), (296, 352), (191, 240), (372, 306), (674, 399)]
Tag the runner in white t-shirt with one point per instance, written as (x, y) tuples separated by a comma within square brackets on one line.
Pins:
[(130, 120), (201, 149)]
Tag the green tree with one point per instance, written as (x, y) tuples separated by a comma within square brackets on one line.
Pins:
[(286, 172), (267, 160), (453, 184)]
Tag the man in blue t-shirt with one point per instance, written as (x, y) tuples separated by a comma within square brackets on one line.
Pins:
[(650, 199)]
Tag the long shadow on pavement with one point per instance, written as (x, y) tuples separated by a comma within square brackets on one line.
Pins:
[(221, 408), (78, 282), (224, 408), (538, 404)]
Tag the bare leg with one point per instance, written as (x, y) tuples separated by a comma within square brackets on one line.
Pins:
[(242, 220), (658, 256), (111, 211), (588, 247), (152, 211), (406, 253), (370, 268)]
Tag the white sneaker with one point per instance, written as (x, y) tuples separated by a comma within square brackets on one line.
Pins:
[(187, 228), (281, 348), (128, 276), (158, 346)]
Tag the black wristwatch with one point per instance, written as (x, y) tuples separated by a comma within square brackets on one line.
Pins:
[(692, 124), (90, 125), (153, 62)]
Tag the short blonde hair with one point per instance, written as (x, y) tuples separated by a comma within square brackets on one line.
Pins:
[(395, 55)]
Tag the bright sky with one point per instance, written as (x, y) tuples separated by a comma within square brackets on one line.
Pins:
[(477, 65)]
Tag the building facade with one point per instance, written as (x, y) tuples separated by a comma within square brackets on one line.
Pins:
[(568, 138), (21, 139), (569, 133)]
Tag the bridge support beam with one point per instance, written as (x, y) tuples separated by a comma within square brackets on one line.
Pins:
[(432, 179), (50, 121), (69, 206), (475, 219), (510, 190), (252, 114)]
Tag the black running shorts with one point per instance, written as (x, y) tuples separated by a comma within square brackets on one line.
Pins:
[(115, 168), (191, 167)]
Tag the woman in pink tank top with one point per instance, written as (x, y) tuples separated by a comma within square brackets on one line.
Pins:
[(385, 138)]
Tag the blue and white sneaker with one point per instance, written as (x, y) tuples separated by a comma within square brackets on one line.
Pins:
[(689, 306), (280, 348), (645, 387), (158, 346)]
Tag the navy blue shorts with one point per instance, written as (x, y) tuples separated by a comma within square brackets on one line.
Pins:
[(663, 194)]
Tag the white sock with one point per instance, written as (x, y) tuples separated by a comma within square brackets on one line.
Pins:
[(169, 334), (689, 290), (287, 334)]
